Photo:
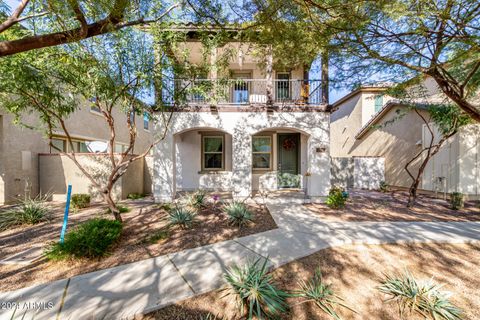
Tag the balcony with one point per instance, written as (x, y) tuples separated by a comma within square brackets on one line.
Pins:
[(240, 92)]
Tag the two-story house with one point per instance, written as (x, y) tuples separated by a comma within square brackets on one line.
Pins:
[(369, 123), (253, 127)]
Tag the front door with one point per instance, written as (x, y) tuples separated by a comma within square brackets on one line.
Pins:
[(288, 164)]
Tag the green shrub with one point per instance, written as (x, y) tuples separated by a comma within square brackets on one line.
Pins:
[(238, 213), (80, 200), (29, 211), (316, 291), (91, 239), (383, 186), (424, 298), (182, 217), (254, 290), (121, 208), (337, 197), (135, 196), (197, 200), (456, 200)]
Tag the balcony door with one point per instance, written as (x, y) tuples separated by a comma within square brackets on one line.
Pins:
[(241, 87), (282, 87)]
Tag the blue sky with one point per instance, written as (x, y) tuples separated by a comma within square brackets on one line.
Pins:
[(334, 94)]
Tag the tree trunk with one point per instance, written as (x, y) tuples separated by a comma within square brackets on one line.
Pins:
[(325, 85), (107, 195)]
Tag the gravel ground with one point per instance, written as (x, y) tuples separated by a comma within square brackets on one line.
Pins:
[(354, 272), (144, 220), (391, 206)]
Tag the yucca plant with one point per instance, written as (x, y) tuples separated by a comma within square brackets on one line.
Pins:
[(182, 217), (197, 200), (238, 213), (254, 290), (316, 291), (424, 298), (29, 211)]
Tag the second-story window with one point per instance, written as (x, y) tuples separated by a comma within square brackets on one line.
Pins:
[(282, 87), (146, 119), (378, 102), (241, 87)]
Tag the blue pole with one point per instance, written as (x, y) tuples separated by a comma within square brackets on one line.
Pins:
[(65, 216)]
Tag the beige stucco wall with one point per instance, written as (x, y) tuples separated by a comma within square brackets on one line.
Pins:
[(19, 170), (396, 141), (57, 171)]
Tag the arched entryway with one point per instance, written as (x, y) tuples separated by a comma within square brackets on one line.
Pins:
[(279, 159)]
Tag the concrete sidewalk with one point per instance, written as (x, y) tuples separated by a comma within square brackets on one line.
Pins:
[(147, 285)]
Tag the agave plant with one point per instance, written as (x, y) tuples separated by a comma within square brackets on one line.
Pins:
[(182, 217), (238, 213), (316, 291), (254, 290), (423, 297), (197, 200)]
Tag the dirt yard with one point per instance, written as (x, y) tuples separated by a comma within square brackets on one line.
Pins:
[(391, 206), (144, 221), (354, 272)]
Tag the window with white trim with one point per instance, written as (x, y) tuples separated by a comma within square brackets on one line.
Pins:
[(146, 119), (262, 152), (213, 152)]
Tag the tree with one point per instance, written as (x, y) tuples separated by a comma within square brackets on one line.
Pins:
[(400, 39), (47, 23), (112, 73), (444, 123)]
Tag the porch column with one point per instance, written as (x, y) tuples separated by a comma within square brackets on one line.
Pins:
[(269, 75), (241, 164), (214, 73), (163, 170)]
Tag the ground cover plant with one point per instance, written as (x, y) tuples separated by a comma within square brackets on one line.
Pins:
[(80, 200), (337, 197), (91, 239), (182, 217)]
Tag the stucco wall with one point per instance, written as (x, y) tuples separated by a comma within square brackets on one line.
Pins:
[(395, 139), (17, 169), (241, 126), (57, 171)]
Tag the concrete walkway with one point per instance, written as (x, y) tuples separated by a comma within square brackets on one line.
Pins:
[(147, 285)]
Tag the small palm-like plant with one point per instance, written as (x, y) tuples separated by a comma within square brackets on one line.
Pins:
[(182, 217), (424, 298), (254, 290), (197, 200), (238, 213), (316, 291), (30, 211)]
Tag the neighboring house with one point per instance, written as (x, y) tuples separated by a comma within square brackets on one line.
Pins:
[(395, 133), (267, 130), (28, 166)]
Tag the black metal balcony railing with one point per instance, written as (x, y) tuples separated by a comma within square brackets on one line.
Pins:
[(241, 91)]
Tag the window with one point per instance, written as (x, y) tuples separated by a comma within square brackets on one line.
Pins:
[(241, 88), (59, 145), (378, 102), (283, 86), (262, 152), (213, 156), (146, 119)]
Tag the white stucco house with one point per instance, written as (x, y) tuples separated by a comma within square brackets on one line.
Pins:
[(268, 129)]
